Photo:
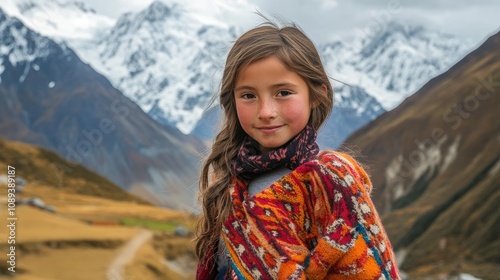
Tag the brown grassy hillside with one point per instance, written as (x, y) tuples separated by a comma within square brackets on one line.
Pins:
[(45, 167), (434, 162), (92, 223)]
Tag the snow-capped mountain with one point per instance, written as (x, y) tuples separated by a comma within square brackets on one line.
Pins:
[(164, 59), (28, 46), (395, 62), (50, 98), (58, 20), (168, 60), (380, 72)]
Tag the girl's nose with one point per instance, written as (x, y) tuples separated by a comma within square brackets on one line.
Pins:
[(267, 109)]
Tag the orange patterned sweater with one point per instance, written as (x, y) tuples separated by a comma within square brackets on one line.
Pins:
[(318, 222)]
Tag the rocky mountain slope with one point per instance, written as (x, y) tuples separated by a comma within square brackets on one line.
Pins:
[(434, 162), (52, 99)]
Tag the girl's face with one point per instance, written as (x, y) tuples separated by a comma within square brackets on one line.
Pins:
[(272, 102)]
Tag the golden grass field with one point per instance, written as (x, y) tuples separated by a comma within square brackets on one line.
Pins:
[(66, 245)]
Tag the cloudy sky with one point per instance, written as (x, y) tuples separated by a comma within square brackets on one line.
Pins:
[(328, 19)]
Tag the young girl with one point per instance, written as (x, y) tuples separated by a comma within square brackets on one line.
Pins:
[(274, 207)]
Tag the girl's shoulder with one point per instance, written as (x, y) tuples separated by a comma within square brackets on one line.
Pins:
[(338, 159), (329, 155), (340, 166)]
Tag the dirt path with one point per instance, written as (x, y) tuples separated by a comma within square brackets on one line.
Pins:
[(115, 271)]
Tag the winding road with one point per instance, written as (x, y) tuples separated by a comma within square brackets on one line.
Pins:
[(127, 253)]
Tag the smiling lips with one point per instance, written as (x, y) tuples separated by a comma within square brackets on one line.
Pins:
[(269, 129)]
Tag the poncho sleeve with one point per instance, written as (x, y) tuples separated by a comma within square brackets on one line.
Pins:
[(318, 222), (351, 240)]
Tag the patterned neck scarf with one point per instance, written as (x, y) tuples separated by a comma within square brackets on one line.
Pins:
[(250, 163)]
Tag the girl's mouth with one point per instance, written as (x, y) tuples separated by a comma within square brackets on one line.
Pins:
[(269, 129)]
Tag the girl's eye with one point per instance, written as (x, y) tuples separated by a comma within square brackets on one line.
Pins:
[(284, 93), (247, 96)]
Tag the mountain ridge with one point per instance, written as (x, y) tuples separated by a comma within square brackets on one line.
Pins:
[(52, 99), (435, 162), (81, 181)]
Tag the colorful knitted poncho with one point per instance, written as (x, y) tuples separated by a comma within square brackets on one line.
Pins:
[(318, 222)]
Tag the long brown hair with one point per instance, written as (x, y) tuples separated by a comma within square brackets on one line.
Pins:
[(297, 52)]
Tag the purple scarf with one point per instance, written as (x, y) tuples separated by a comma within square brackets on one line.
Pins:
[(250, 163)]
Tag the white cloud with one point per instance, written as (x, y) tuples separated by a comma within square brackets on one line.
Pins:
[(328, 19), (329, 4)]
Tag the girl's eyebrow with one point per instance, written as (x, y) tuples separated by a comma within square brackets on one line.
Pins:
[(278, 85), (284, 84), (244, 88)]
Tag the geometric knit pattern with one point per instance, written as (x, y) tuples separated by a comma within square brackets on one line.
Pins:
[(317, 222)]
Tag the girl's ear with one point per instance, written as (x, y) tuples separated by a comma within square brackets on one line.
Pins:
[(315, 103)]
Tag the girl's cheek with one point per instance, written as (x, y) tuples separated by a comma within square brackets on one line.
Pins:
[(295, 110), (243, 114)]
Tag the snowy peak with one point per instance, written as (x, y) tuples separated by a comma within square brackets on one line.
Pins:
[(150, 26), (156, 13), (19, 44), (27, 6), (83, 7), (58, 19), (410, 38), (394, 63), (164, 59), (393, 33), (159, 11)]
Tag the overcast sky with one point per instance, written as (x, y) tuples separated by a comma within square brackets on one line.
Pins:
[(471, 21)]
